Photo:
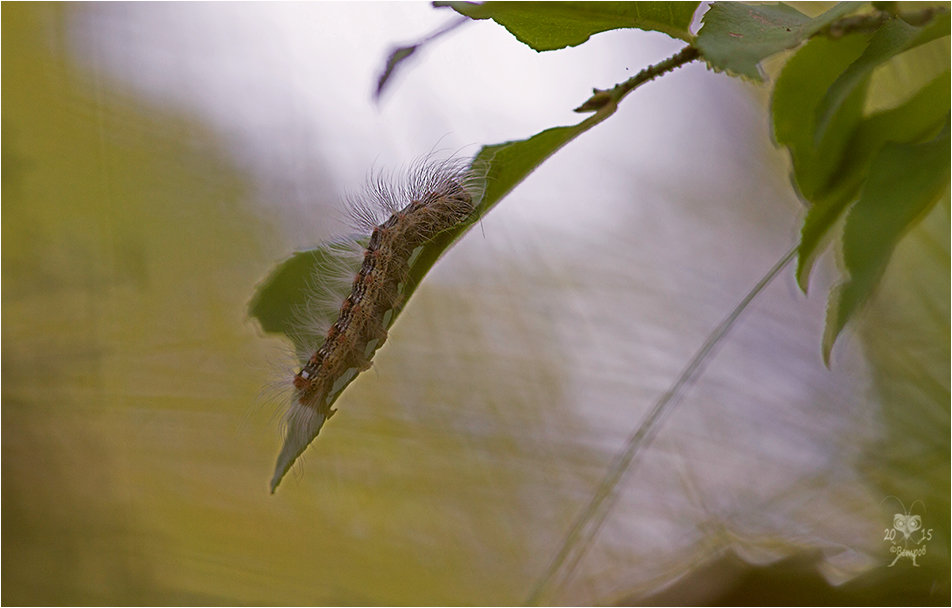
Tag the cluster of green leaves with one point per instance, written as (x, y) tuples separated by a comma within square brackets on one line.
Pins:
[(881, 171)]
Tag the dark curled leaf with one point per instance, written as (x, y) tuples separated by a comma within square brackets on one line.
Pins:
[(398, 55), (402, 53)]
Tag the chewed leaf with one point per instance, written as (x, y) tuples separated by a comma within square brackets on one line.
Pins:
[(497, 169), (276, 297), (547, 26), (737, 36), (905, 181), (284, 294), (494, 172)]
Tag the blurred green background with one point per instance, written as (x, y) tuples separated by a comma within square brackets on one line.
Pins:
[(136, 449)]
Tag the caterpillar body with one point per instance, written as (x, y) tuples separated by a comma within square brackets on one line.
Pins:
[(436, 196)]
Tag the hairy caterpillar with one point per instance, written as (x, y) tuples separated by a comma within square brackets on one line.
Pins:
[(401, 218)]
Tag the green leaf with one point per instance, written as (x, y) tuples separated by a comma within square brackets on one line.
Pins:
[(817, 225), (512, 162), (918, 118), (736, 37), (905, 181), (284, 294), (800, 87), (893, 38), (500, 167), (547, 26)]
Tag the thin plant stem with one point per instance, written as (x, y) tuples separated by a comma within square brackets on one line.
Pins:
[(592, 517)]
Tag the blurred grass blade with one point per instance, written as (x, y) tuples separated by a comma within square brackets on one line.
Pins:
[(585, 528)]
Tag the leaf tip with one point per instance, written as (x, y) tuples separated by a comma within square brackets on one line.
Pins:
[(827, 351), (835, 321), (303, 425), (804, 266)]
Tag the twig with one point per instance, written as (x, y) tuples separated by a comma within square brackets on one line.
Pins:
[(600, 97)]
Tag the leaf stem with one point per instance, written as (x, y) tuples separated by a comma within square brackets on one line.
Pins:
[(601, 97), (590, 520)]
